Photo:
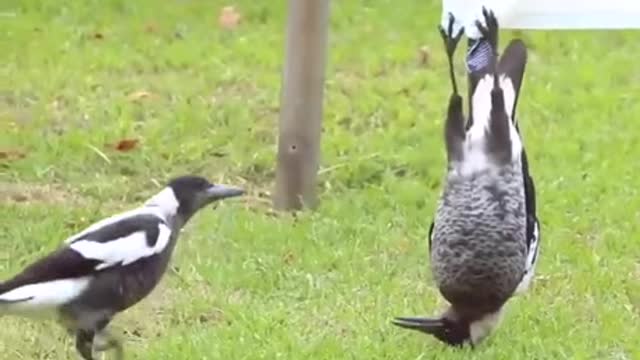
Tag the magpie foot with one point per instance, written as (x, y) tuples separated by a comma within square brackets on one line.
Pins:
[(450, 43), (84, 343), (450, 39), (110, 342), (490, 30)]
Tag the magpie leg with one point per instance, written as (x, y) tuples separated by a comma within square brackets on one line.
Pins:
[(454, 129), (450, 43), (109, 341), (84, 343)]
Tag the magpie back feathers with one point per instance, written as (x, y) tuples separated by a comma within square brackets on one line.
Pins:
[(127, 226)]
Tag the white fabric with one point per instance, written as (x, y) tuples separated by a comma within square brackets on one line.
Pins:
[(545, 14)]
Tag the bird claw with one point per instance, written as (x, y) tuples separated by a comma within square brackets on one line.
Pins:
[(450, 39), (110, 342), (490, 30)]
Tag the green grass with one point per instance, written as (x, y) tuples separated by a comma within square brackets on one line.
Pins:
[(323, 285)]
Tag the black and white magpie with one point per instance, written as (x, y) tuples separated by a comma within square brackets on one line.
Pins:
[(109, 266), (484, 239)]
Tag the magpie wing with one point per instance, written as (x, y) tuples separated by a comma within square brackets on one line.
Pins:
[(120, 243), (124, 241), (533, 227)]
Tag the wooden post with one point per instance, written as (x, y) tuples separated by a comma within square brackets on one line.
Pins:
[(301, 104)]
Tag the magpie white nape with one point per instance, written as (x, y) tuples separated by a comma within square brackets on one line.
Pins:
[(109, 266)]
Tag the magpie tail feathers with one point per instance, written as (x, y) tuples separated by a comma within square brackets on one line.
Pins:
[(512, 66), (498, 136), (504, 141)]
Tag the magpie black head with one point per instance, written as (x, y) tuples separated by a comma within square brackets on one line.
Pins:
[(195, 192), (456, 328)]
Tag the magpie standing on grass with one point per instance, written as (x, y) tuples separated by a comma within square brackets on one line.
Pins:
[(109, 266), (484, 239)]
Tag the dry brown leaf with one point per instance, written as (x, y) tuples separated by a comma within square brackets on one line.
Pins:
[(139, 95), (126, 144), (151, 28), (229, 18), (98, 36), (289, 257), (424, 55), (11, 155)]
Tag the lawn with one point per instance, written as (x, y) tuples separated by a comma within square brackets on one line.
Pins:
[(80, 79)]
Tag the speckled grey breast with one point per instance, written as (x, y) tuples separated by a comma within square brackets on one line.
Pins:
[(478, 248)]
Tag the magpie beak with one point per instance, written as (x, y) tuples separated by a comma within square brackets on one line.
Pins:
[(218, 192), (425, 325)]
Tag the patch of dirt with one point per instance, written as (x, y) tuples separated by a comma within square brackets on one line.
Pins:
[(34, 193)]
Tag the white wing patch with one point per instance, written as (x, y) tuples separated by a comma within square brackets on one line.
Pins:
[(475, 156), (532, 260), (42, 296), (125, 250)]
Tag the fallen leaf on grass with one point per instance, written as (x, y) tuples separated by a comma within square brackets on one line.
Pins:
[(151, 28), (214, 316), (424, 55), (97, 36), (126, 144), (11, 155), (289, 257), (229, 18), (139, 95)]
